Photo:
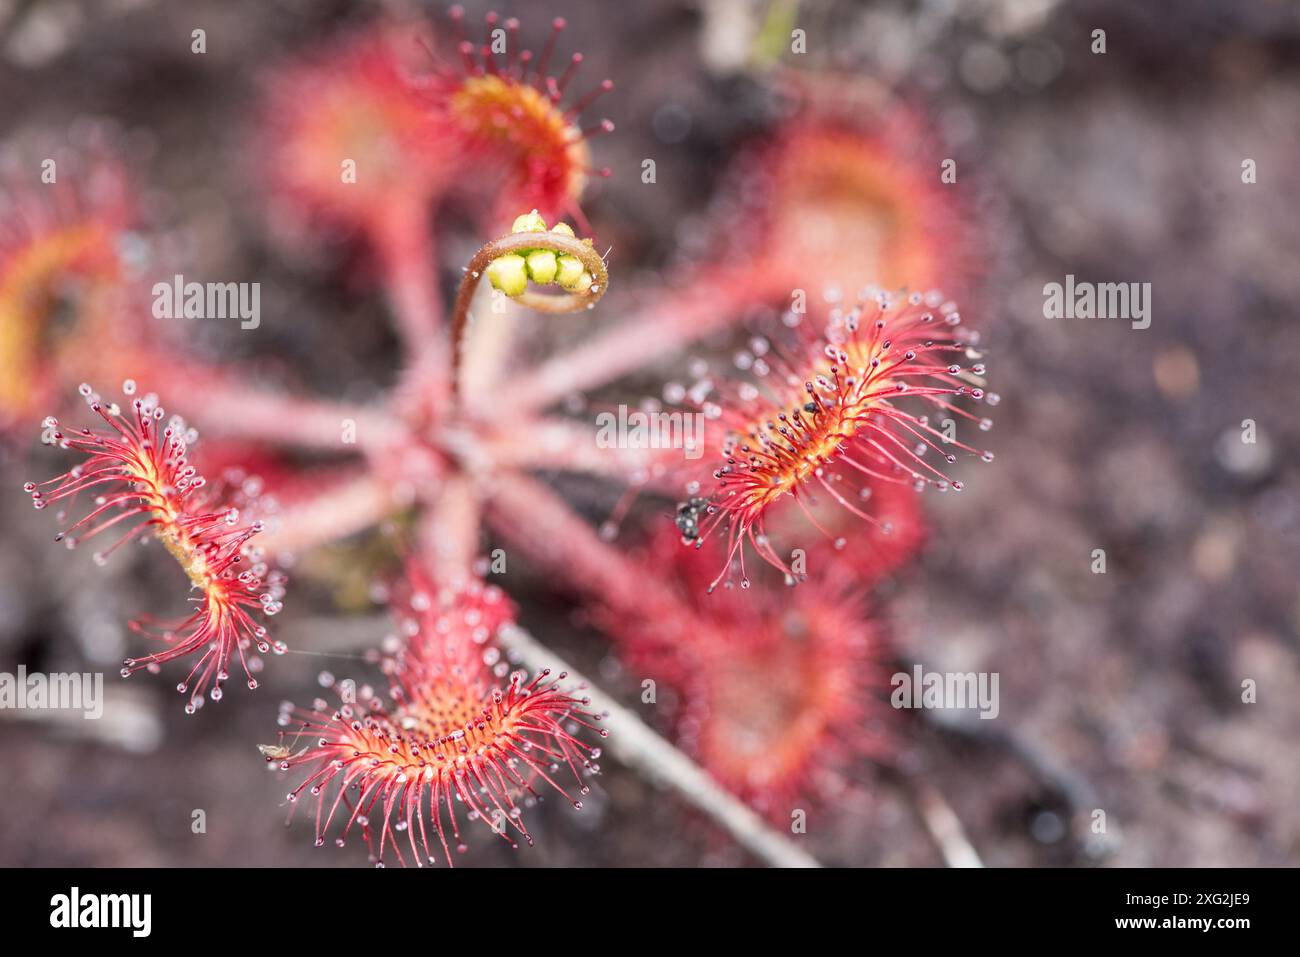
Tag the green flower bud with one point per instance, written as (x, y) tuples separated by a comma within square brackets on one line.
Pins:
[(529, 223), (542, 266), (564, 229), (570, 272), (508, 273)]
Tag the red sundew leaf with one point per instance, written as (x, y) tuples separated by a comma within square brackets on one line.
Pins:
[(831, 415), (831, 201), (370, 131), (780, 692), (510, 110), (449, 630), (140, 473), (347, 134), (451, 734), (67, 217)]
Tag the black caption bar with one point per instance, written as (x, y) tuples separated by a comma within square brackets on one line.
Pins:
[(129, 907)]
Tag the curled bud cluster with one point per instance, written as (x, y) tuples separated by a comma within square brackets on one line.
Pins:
[(140, 473), (512, 272)]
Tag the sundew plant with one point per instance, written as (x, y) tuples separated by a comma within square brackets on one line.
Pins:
[(785, 433)]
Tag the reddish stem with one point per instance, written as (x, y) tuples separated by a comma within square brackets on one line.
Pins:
[(530, 516), (408, 255), (448, 533), (674, 322), (229, 407)]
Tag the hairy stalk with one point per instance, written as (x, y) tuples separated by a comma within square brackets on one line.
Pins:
[(332, 513), (637, 746), (563, 445), (411, 287), (529, 515), (448, 532), (233, 410), (672, 323), (539, 301), (485, 353)]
